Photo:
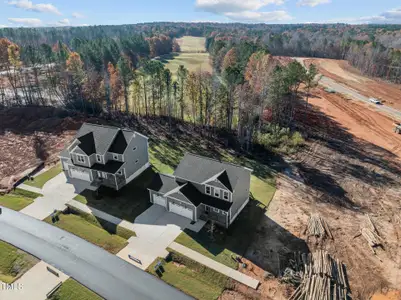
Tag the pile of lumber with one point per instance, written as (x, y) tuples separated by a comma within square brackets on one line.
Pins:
[(371, 235), (317, 226), (324, 278)]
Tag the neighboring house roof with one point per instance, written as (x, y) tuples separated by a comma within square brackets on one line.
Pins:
[(200, 169)]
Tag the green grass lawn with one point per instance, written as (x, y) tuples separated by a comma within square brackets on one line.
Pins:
[(14, 262), (191, 277), (72, 290), (95, 234), (192, 44), (40, 180), (18, 199), (127, 204)]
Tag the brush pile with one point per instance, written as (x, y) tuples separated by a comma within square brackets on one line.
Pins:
[(323, 278), (317, 226)]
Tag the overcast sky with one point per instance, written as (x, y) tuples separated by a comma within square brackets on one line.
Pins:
[(89, 12)]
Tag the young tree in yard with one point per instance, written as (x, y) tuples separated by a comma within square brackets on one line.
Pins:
[(182, 75), (126, 75), (310, 80)]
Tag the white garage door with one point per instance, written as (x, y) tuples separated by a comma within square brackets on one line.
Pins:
[(80, 174), (159, 200), (180, 210)]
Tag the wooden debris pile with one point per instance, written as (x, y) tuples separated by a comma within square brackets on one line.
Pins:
[(371, 235), (317, 226), (324, 278)]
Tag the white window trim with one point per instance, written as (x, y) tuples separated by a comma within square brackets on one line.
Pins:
[(216, 210), (102, 174), (120, 172), (210, 189), (115, 157), (228, 195), (98, 158), (218, 192), (79, 157)]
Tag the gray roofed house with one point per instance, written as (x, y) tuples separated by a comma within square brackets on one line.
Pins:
[(105, 155), (203, 188)]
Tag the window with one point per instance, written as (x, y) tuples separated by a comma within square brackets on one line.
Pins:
[(136, 161), (224, 212), (101, 174), (225, 195), (120, 172), (217, 193), (115, 156), (207, 208), (216, 209), (134, 149), (208, 190), (80, 158), (98, 158)]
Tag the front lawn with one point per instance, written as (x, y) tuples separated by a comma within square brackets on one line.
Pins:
[(126, 204), (72, 290), (88, 231), (14, 262), (191, 277), (40, 180), (227, 244), (18, 199)]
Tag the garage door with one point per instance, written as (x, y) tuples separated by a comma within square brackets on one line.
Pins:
[(159, 200), (80, 174), (180, 210)]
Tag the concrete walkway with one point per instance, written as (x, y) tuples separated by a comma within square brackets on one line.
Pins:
[(30, 188), (34, 284), (236, 275)]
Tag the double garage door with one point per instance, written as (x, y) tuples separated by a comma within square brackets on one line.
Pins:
[(174, 208)]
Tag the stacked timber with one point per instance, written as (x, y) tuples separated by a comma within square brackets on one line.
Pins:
[(324, 278), (317, 226), (371, 235)]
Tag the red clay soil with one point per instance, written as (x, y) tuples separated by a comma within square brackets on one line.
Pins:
[(30, 136), (343, 72)]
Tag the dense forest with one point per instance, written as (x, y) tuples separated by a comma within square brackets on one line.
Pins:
[(250, 92)]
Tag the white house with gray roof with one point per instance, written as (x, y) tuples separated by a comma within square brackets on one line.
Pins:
[(203, 188), (105, 155)]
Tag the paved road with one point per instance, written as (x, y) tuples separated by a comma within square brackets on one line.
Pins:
[(343, 89), (106, 274)]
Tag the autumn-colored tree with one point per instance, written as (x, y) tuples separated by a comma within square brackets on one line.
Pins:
[(4, 44), (126, 75), (115, 86), (75, 65), (176, 46), (230, 59), (182, 75)]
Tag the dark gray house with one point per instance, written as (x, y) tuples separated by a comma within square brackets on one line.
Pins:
[(105, 155), (203, 188)]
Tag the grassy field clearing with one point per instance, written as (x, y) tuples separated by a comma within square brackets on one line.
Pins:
[(72, 290), (192, 44), (192, 61)]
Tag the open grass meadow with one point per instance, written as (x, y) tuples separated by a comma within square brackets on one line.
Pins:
[(14, 262), (192, 44), (72, 290), (192, 61)]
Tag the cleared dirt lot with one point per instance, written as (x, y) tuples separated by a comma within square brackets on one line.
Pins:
[(342, 72), (351, 166)]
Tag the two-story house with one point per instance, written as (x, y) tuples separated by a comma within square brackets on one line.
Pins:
[(105, 155), (203, 188)]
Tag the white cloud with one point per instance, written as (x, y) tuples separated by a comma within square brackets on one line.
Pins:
[(41, 7), (312, 3), (77, 15), (64, 22), (389, 17), (224, 6), (3, 26), (32, 22), (255, 16)]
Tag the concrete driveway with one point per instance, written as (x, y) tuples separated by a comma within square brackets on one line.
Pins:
[(34, 284), (156, 229), (56, 193)]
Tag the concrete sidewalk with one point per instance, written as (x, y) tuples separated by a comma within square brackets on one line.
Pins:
[(238, 276), (34, 284), (30, 188)]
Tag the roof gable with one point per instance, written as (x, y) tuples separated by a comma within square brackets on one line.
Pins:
[(87, 143), (119, 143)]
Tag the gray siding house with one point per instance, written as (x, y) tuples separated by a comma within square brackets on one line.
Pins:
[(105, 155), (203, 188)]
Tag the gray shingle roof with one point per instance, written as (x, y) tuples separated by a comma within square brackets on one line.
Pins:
[(163, 183)]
